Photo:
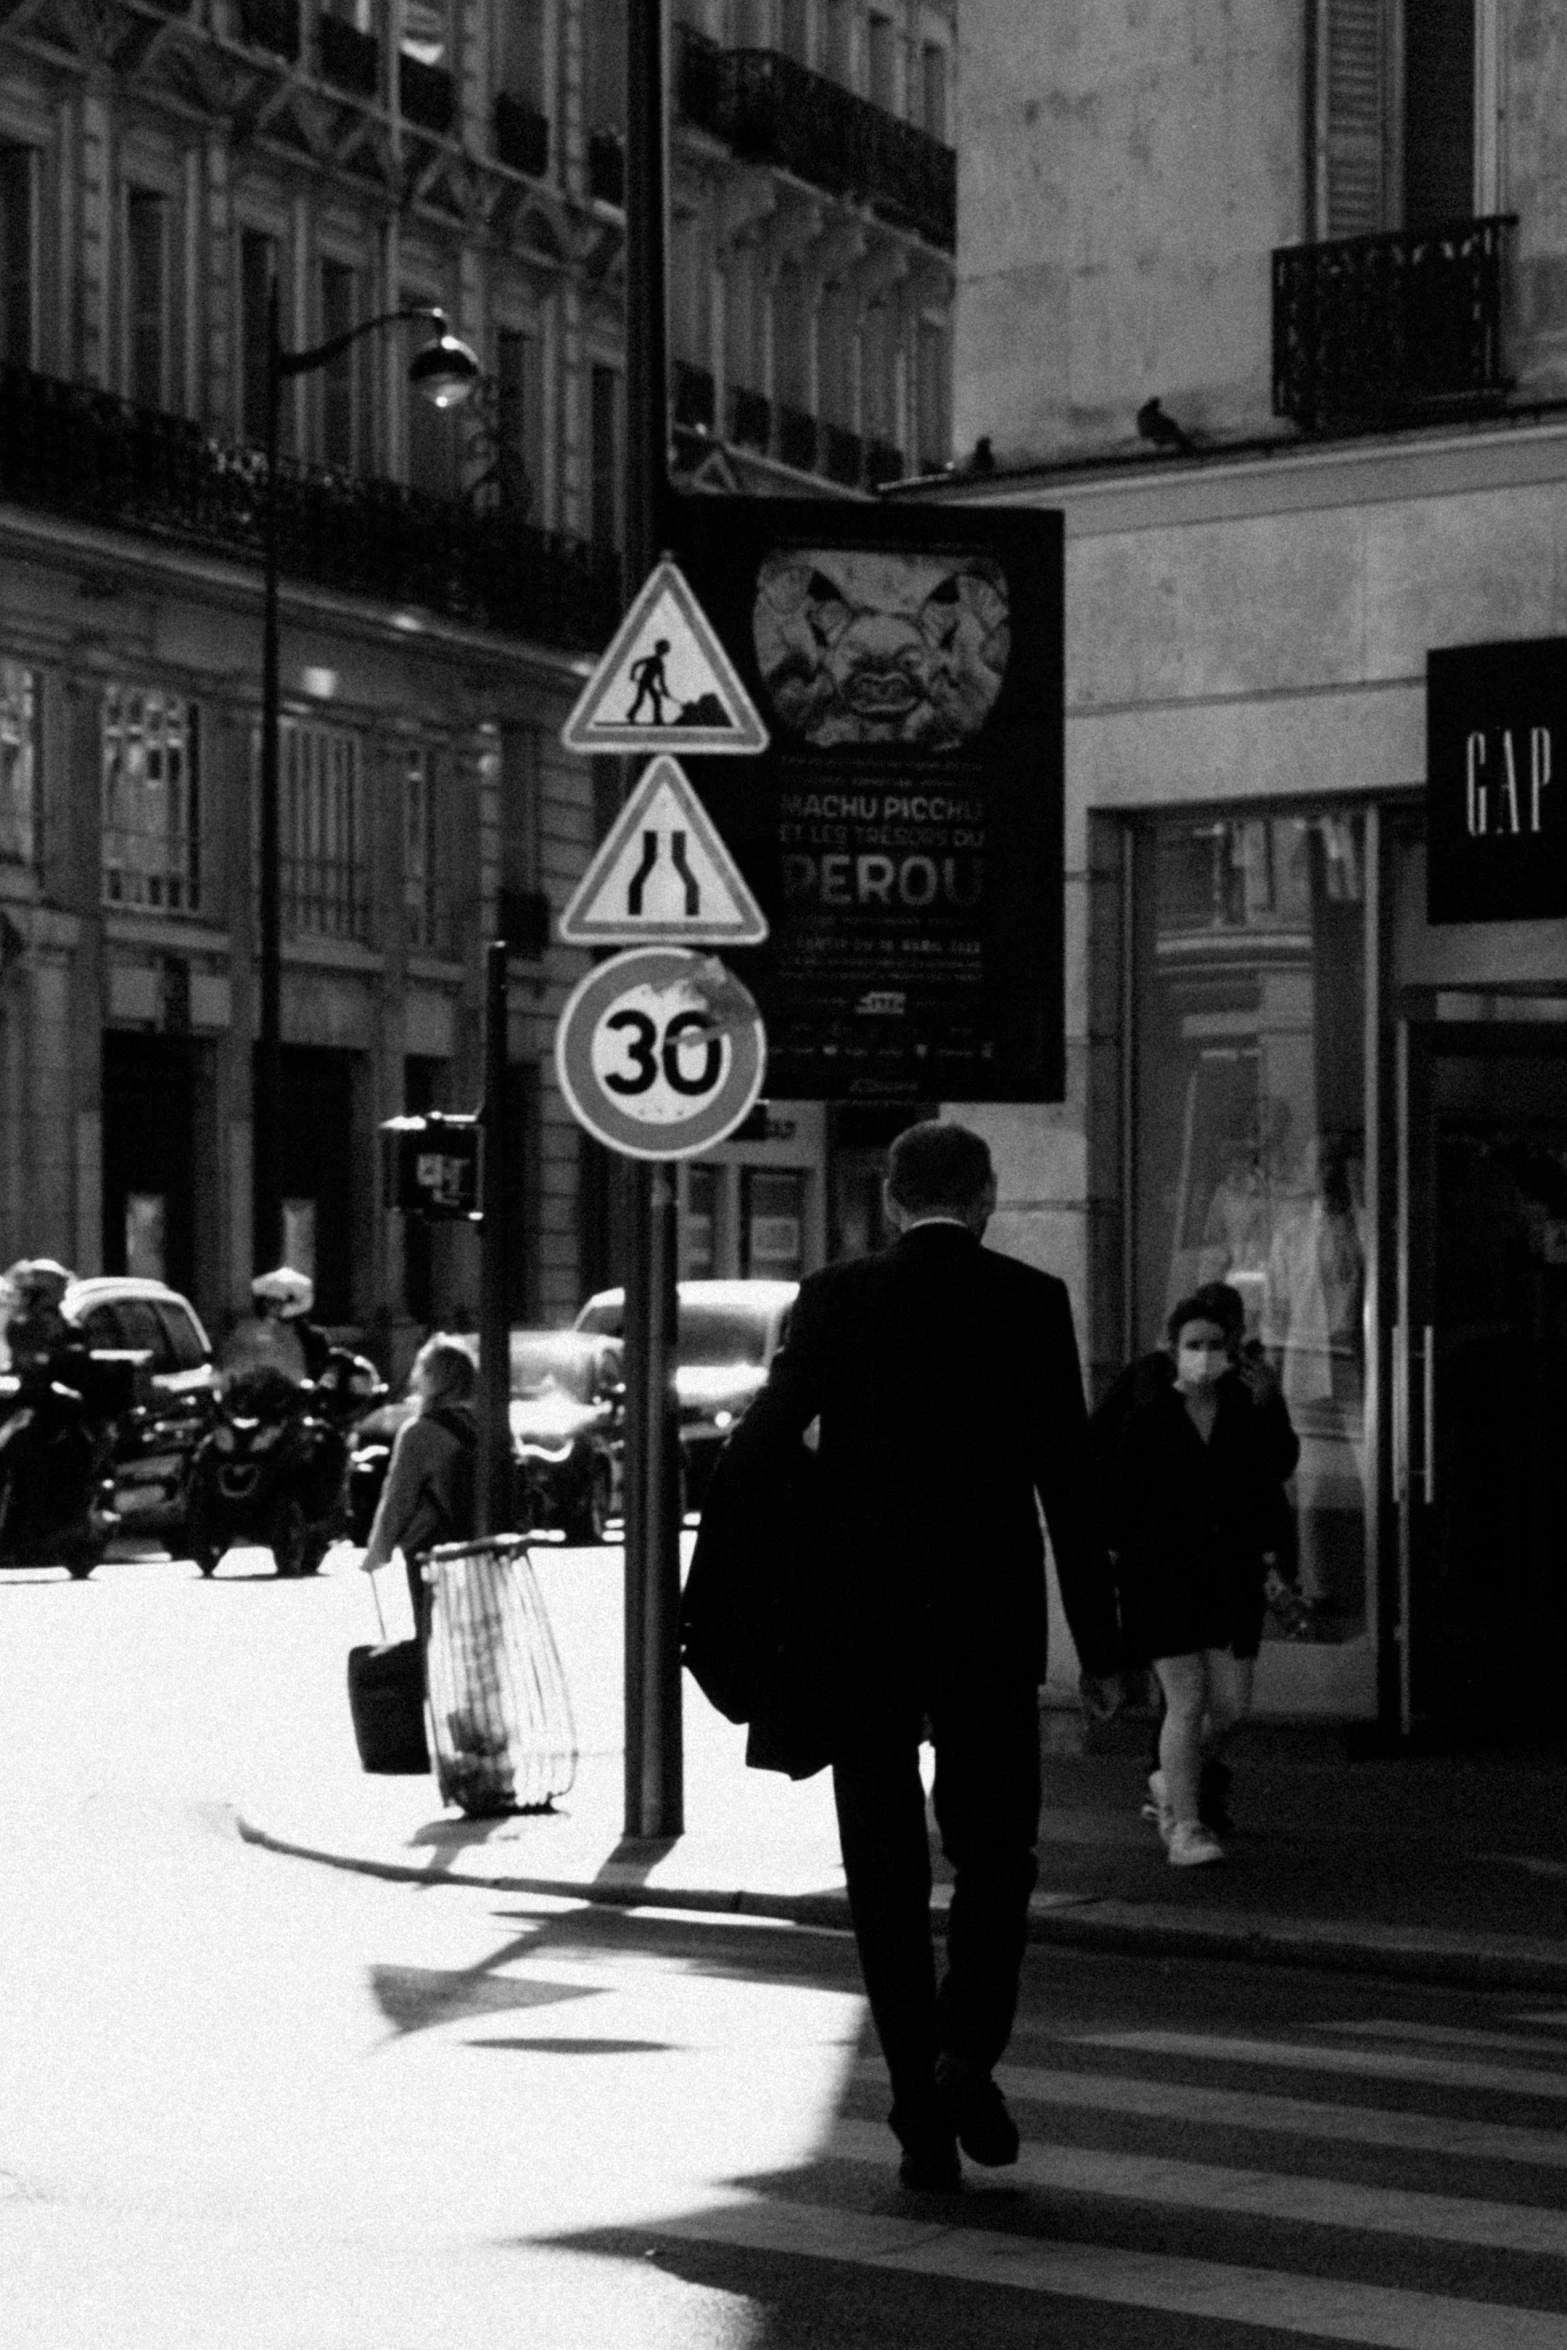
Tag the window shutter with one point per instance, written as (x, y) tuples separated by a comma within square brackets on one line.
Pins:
[(1350, 105)]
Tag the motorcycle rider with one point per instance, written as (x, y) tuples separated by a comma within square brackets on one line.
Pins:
[(54, 1373), (283, 1299)]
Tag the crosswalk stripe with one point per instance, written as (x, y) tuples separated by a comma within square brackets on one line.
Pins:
[(1442, 2036), (1301, 2117), (1274, 2195), (1380, 2317), (1375, 2064)]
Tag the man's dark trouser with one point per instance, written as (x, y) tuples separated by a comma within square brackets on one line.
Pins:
[(986, 1798)]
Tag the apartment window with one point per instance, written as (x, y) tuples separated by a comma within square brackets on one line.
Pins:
[(933, 89), (16, 255), (340, 379), (519, 422), (1439, 112), (604, 75), (877, 374), (18, 764), (258, 262), (421, 898), (1380, 163), (519, 52), (147, 297), (605, 477), (881, 49), (325, 859), (794, 29), (934, 426), (792, 337), (836, 355), (838, 58), (150, 838)]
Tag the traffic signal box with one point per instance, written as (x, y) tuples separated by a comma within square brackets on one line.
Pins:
[(431, 1165)]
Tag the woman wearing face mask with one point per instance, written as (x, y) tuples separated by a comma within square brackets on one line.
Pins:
[(1195, 1502)]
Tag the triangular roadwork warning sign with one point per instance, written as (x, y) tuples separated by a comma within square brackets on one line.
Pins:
[(666, 683), (663, 875)]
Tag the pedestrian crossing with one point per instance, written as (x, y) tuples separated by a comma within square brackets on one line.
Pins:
[(1384, 2181)]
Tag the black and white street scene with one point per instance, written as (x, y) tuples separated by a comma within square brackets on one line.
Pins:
[(783, 1175)]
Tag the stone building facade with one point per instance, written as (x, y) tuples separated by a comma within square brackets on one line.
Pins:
[(1269, 303)]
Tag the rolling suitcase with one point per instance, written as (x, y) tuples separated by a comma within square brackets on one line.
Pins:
[(500, 1717), (386, 1702)]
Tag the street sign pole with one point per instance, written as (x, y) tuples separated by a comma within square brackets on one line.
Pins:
[(654, 1785), (493, 1481)]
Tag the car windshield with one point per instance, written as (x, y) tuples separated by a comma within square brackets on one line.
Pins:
[(721, 1334), (554, 1363)]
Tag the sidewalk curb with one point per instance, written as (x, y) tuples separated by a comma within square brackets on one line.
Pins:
[(1070, 1921)]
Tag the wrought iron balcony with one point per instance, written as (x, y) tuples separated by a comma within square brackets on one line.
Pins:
[(522, 136), (607, 167), (270, 24), (70, 450), (1371, 330), (425, 93), (350, 59), (769, 109)]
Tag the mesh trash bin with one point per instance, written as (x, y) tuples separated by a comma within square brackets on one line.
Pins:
[(500, 1716)]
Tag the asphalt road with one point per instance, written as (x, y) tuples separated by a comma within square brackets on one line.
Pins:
[(251, 2104)]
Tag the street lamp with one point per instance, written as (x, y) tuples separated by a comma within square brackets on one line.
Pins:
[(444, 371)]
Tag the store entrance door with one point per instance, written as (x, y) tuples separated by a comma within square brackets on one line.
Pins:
[(1480, 1374)]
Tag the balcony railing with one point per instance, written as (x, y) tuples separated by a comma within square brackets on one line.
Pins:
[(270, 24), (70, 450), (607, 167), (522, 136), (1370, 330), (795, 437), (425, 93), (772, 110), (350, 59)]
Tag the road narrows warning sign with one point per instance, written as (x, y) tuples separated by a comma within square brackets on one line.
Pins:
[(662, 873), (665, 683)]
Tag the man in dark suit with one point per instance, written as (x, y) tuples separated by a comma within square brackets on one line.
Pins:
[(945, 1379)]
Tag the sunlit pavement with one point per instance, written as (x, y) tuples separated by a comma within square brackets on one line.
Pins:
[(247, 2103)]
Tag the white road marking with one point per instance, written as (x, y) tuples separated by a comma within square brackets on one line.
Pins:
[(1272, 2195), (1378, 2316), (1303, 2117), (1372, 2064), (1444, 2036)]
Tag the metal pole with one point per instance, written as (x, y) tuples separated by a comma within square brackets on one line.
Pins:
[(654, 1788), (266, 1110), (493, 1484)]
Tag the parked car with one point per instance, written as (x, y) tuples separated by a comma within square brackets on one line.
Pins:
[(155, 1440), (727, 1333), (568, 1436)]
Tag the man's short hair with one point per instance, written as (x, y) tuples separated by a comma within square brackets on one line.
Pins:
[(937, 1166)]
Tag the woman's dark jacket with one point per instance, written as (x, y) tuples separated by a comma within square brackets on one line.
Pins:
[(1189, 1521)]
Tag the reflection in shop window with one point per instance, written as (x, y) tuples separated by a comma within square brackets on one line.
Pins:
[(150, 845), (1250, 1139), (18, 764), (774, 1215), (699, 1225)]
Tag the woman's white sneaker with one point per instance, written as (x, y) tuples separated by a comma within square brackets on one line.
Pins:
[(1192, 1846)]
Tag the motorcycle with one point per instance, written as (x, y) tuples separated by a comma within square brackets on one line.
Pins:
[(273, 1467), (56, 1497)]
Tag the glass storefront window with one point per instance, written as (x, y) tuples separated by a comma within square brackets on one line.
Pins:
[(774, 1222), (1250, 1138), (699, 1225)]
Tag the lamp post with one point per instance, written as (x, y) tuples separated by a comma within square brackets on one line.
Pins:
[(444, 371)]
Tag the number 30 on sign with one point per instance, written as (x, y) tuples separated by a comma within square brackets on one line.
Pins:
[(660, 1052)]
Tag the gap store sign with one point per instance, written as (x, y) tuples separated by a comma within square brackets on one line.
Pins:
[(1496, 782)]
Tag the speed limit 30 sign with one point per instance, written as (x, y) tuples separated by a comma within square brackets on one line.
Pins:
[(660, 1052)]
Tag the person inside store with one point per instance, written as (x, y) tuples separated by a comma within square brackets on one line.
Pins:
[(1192, 1503), (429, 1494), (945, 1382)]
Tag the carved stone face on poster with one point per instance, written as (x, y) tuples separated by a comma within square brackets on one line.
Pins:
[(902, 830)]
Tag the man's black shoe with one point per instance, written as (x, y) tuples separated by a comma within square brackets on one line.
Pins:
[(977, 2111), (930, 2164)]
